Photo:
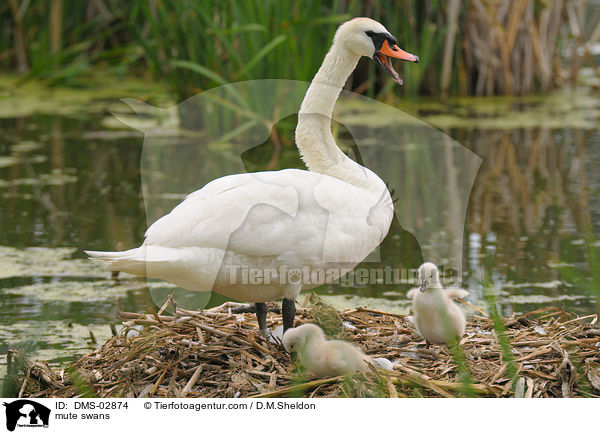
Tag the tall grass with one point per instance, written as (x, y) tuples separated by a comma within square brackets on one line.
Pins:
[(489, 295), (199, 45), (62, 41)]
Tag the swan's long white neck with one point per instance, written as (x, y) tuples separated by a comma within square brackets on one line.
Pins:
[(313, 133)]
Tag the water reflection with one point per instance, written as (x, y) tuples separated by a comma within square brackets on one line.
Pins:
[(79, 191), (535, 203)]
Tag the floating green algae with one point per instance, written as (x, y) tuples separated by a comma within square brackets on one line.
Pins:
[(34, 261), (342, 302), (539, 299), (19, 98), (561, 109)]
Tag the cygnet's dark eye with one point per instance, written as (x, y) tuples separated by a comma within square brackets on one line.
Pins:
[(370, 33)]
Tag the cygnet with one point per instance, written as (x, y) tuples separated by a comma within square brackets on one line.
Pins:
[(437, 318), (326, 358)]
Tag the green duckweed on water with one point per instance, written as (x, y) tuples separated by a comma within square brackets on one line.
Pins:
[(20, 98), (565, 109), (40, 261)]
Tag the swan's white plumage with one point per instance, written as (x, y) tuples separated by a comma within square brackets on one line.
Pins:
[(331, 216), (437, 318), (258, 220), (322, 357)]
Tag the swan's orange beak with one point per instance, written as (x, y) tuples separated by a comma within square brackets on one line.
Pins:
[(382, 57)]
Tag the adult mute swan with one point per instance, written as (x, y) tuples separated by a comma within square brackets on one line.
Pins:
[(281, 227), (437, 318)]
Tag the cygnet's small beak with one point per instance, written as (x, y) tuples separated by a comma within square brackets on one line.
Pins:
[(423, 286)]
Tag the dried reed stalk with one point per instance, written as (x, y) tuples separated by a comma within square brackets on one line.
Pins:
[(218, 353)]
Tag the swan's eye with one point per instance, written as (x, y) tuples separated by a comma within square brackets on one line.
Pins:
[(379, 38)]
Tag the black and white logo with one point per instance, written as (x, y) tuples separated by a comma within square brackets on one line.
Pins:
[(26, 413)]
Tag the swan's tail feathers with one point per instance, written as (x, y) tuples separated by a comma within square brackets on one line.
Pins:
[(131, 261)]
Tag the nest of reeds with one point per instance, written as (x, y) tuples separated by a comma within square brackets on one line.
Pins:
[(219, 353)]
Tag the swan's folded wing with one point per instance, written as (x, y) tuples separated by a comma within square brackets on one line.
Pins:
[(269, 214), (457, 292), (209, 216)]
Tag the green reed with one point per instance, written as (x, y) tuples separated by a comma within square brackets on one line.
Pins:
[(489, 295), (196, 45)]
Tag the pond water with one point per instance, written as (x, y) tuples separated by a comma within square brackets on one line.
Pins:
[(71, 180)]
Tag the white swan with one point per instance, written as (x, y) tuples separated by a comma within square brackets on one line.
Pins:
[(328, 358), (326, 219), (437, 318)]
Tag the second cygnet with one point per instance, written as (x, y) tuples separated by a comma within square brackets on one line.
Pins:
[(437, 318), (327, 358)]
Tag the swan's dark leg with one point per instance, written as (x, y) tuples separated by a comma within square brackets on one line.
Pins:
[(288, 311), (261, 316)]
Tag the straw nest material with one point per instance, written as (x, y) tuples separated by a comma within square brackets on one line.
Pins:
[(219, 353)]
